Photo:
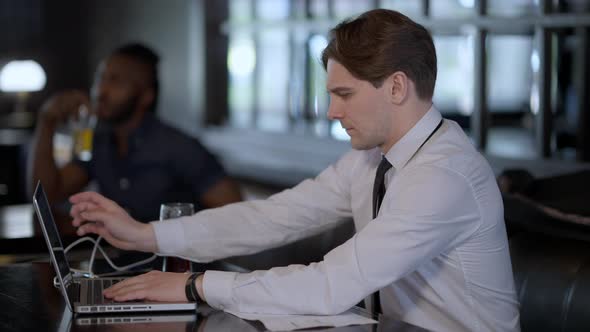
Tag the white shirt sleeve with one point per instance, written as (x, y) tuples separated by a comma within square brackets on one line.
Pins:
[(434, 212), (249, 227)]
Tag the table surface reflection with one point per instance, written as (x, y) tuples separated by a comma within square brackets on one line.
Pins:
[(29, 302)]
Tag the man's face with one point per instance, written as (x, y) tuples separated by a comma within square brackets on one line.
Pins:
[(116, 88), (363, 110)]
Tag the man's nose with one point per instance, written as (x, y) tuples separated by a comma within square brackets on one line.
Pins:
[(333, 112)]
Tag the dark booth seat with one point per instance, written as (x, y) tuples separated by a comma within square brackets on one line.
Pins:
[(548, 223), (552, 276)]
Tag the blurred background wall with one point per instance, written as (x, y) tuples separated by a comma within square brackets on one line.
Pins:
[(245, 76)]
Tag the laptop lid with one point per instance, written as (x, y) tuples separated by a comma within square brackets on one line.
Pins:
[(54, 244)]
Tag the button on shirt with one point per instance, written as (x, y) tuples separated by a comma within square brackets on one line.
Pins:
[(437, 251), (162, 165)]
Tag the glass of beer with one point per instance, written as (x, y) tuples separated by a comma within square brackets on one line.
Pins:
[(83, 131), (169, 211)]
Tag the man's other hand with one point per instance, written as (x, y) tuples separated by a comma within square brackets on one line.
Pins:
[(94, 213)]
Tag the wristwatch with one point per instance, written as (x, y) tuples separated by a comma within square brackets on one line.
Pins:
[(190, 289)]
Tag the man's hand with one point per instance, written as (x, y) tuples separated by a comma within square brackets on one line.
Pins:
[(63, 106), (93, 213), (151, 286)]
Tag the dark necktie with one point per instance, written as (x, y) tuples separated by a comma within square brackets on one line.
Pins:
[(378, 193), (379, 185)]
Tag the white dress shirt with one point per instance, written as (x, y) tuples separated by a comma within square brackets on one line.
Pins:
[(437, 251)]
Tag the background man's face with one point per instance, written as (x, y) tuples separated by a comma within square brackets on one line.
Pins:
[(362, 109), (116, 89)]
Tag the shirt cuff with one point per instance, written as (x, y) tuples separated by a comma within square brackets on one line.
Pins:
[(218, 288), (169, 236)]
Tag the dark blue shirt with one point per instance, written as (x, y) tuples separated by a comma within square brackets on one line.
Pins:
[(162, 165)]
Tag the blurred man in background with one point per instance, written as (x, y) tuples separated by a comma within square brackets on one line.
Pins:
[(136, 159)]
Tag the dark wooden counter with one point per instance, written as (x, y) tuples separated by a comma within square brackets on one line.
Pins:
[(30, 302)]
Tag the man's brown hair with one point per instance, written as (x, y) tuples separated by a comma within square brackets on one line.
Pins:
[(381, 42)]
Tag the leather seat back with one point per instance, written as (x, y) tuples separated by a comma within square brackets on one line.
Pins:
[(552, 277)]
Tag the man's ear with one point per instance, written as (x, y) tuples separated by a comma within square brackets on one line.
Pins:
[(398, 87)]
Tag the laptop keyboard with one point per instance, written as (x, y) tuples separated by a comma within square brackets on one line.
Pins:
[(95, 288)]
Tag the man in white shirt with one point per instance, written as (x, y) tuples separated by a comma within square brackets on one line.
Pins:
[(435, 249)]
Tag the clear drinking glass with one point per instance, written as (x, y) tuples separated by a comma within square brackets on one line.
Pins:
[(171, 211), (83, 132)]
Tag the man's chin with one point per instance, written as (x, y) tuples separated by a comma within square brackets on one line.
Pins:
[(116, 119), (358, 145)]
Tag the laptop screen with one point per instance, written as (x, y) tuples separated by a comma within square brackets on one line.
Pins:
[(50, 231)]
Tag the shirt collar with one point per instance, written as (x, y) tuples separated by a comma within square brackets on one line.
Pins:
[(402, 151), (138, 135)]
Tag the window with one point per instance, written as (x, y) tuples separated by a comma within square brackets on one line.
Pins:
[(277, 81), (454, 83)]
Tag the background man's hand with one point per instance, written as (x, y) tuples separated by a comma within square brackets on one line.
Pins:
[(93, 213), (63, 106)]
